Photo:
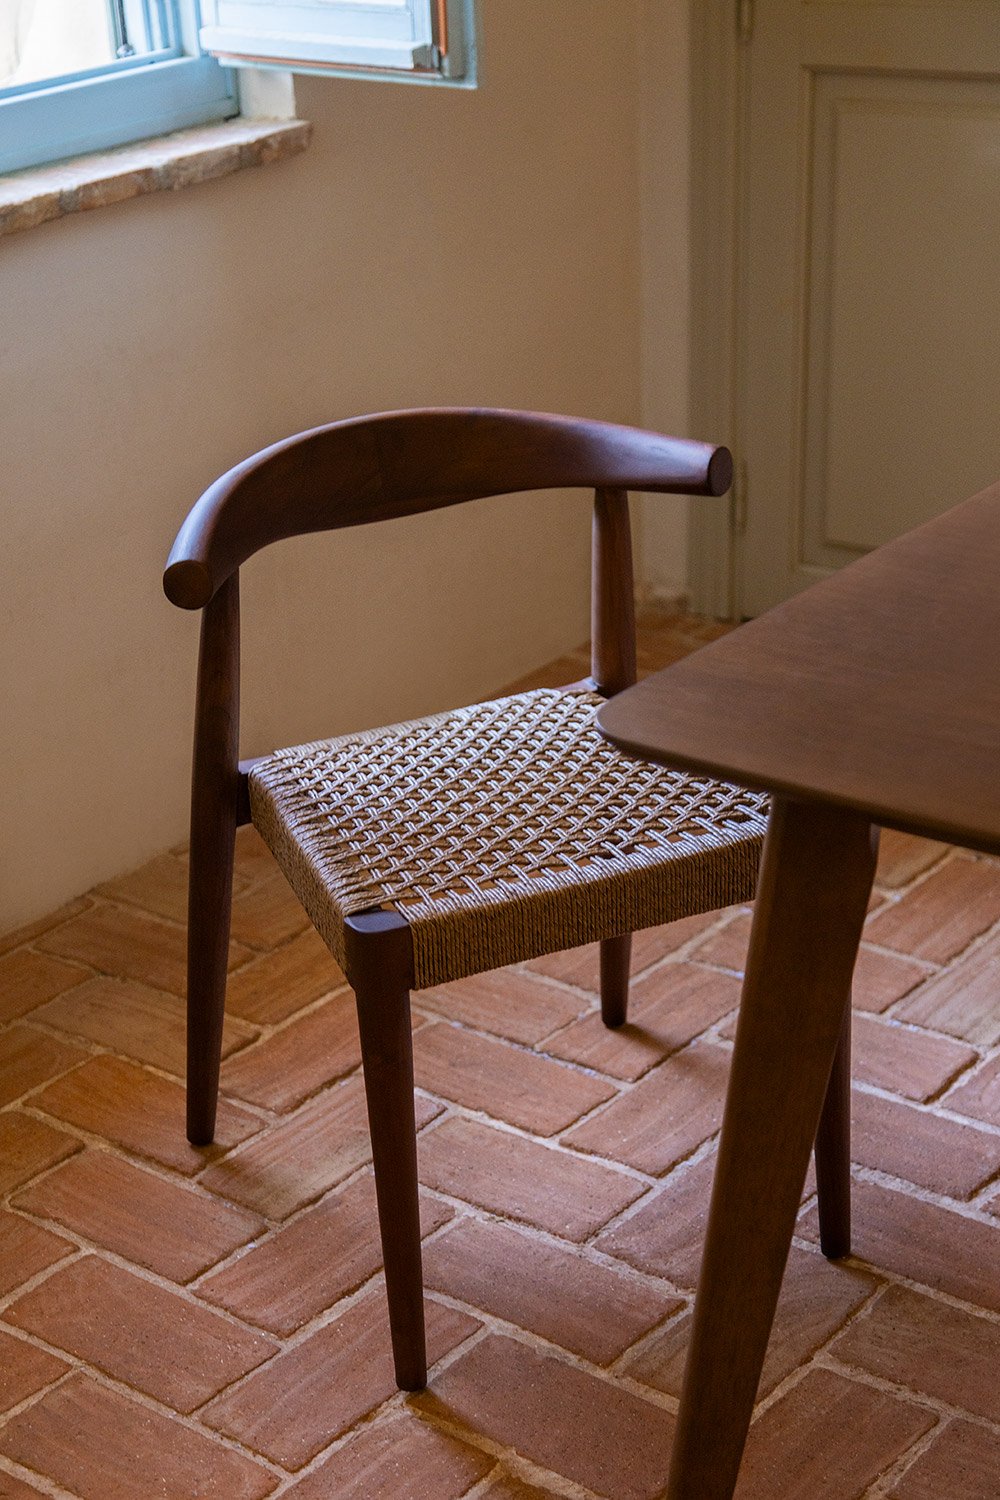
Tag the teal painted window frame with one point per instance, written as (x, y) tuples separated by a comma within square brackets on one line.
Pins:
[(129, 100)]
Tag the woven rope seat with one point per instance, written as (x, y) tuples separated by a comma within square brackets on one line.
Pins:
[(501, 832)]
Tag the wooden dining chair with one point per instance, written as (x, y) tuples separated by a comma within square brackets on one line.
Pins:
[(472, 839)]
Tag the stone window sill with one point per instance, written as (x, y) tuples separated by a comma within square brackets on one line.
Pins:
[(173, 161)]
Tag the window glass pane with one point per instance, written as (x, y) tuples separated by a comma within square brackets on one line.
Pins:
[(47, 39)]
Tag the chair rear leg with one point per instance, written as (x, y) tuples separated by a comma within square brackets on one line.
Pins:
[(215, 788), (833, 1153), (615, 955), (381, 983), (209, 906)]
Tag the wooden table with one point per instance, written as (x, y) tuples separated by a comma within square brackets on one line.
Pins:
[(871, 699)]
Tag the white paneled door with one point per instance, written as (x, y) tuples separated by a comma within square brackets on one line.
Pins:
[(870, 296)]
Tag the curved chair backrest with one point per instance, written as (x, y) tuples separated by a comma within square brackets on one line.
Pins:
[(400, 463)]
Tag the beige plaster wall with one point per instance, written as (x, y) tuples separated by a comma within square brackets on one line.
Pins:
[(430, 247), (664, 155)]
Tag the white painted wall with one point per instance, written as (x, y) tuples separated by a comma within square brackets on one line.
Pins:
[(430, 247)]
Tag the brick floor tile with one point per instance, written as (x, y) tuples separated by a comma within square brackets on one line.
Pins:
[(327, 1252), (306, 1154), (140, 1111), (24, 1369), (726, 946), (827, 1439), (588, 1308), (963, 999), (29, 1058), (148, 1025), (903, 856), (667, 1010), (921, 1147), (394, 1458), (28, 979), (160, 886), (665, 1116), (962, 1463), (906, 1062), (25, 1249), (941, 916), (508, 1175), (928, 1346), (506, 1003), (275, 985), (142, 1217), (150, 1338), (507, 1486), (980, 1096), (16, 1489), (18, 937), (267, 912), (284, 1069), (664, 1236), (319, 1388), (581, 966), (101, 1445), (27, 1147), (816, 1299), (923, 1242), (129, 944), (558, 1416), (506, 1082), (880, 979)]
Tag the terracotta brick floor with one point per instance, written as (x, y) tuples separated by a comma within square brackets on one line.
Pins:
[(179, 1323)]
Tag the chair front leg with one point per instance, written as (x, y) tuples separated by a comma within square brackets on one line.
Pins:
[(209, 906), (615, 955), (379, 965)]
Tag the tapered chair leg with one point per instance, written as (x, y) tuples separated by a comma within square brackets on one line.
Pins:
[(615, 955), (214, 816), (210, 901), (833, 1153), (815, 878), (379, 967)]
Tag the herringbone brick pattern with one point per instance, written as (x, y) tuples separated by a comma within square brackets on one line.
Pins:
[(179, 1323)]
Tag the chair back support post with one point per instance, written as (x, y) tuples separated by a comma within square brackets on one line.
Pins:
[(402, 463), (214, 817), (612, 637), (215, 779)]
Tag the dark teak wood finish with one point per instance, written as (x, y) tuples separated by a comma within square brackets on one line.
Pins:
[(347, 474), (215, 799), (612, 668), (877, 690), (401, 463), (871, 699)]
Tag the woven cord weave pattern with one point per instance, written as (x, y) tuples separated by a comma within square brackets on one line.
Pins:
[(501, 832)]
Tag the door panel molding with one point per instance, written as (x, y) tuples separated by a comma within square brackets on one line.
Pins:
[(850, 398)]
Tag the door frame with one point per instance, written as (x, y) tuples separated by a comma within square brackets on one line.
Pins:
[(719, 66)]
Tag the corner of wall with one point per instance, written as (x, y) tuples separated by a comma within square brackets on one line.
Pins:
[(664, 167)]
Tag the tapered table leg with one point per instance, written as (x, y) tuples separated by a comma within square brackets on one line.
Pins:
[(815, 878)]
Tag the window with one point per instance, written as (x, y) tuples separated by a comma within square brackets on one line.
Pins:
[(421, 41), (83, 75)]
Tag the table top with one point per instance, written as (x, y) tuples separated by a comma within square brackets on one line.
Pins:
[(878, 689)]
